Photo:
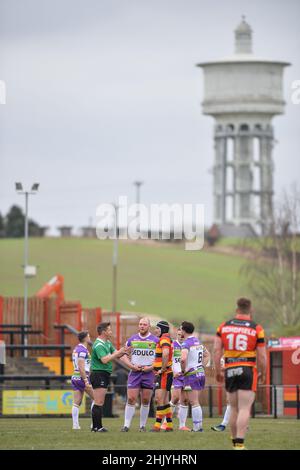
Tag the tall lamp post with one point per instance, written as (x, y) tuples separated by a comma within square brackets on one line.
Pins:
[(28, 271)]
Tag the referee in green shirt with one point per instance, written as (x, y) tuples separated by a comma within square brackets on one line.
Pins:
[(103, 353)]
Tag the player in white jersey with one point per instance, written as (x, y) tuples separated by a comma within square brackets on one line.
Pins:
[(141, 377), (178, 393), (194, 357), (80, 378)]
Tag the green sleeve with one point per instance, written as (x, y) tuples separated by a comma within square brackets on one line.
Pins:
[(112, 348), (100, 352)]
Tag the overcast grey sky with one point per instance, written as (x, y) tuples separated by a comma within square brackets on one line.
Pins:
[(103, 92)]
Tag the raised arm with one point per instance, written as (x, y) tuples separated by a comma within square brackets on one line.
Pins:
[(116, 354), (125, 359)]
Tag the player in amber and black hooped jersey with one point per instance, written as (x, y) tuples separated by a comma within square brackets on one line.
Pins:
[(162, 367), (242, 342), (141, 376)]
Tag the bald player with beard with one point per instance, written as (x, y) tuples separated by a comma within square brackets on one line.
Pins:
[(141, 376)]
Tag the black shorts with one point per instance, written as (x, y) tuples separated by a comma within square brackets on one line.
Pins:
[(164, 381), (99, 379), (240, 378)]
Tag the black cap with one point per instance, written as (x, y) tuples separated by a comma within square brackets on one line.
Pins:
[(164, 326)]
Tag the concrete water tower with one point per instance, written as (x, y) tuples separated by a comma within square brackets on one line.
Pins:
[(243, 93)]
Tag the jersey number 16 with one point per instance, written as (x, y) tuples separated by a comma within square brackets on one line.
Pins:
[(237, 342)]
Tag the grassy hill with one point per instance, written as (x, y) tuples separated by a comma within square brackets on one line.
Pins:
[(163, 280)]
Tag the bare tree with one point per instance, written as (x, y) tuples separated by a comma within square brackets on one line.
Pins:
[(273, 270)]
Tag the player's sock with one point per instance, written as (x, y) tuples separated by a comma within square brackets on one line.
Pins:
[(239, 440), (173, 407), (160, 413), (129, 413), (168, 415), (239, 444), (92, 404), (226, 416), (144, 413), (182, 415), (197, 417), (97, 416), (75, 414)]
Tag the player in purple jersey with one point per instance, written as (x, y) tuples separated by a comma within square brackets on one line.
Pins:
[(141, 377), (194, 357), (80, 378)]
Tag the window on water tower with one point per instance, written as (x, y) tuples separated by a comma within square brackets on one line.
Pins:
[(229, 150), (276, 368)]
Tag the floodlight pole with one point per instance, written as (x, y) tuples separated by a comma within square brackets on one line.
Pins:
[(34, 189), (25, 320)]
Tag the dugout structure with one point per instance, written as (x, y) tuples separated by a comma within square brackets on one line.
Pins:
[(283, 375)]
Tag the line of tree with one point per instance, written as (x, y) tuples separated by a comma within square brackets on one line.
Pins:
[(13, 225), (273, 272)]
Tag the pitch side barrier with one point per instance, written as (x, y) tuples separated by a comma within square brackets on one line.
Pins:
[(279, 401), (58, 385)]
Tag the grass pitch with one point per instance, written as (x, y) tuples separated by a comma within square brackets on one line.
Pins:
[(56, 433)]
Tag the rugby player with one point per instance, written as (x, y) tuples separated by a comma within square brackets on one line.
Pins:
[(221, 427), (194, 357), (141, 376), (103, 353), (80, 379), (163, 376), (243, 343), (178, 394)]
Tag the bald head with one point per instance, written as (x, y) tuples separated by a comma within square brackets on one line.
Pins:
[(144, 326)]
